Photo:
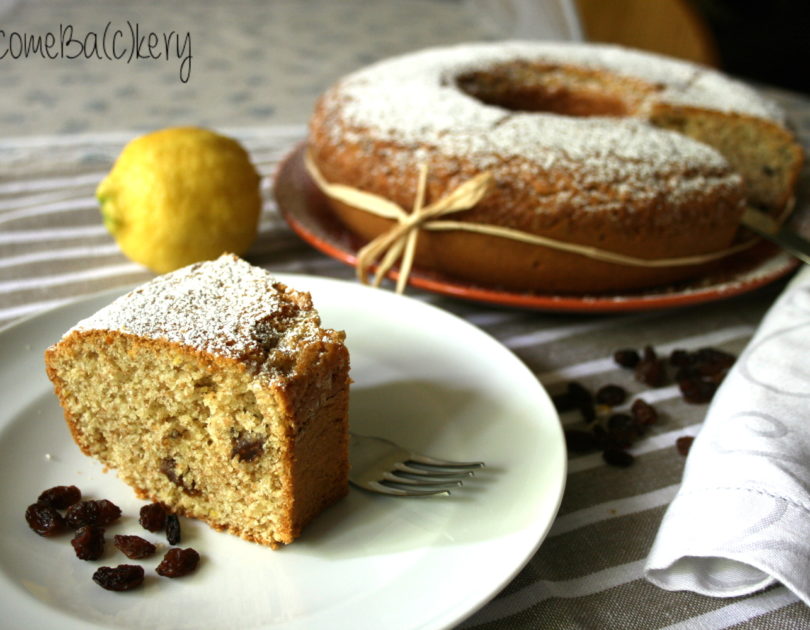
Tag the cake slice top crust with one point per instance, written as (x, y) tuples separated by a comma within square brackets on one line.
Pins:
[(226, 308)]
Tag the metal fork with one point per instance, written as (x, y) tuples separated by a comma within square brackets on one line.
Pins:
[(383, 467)]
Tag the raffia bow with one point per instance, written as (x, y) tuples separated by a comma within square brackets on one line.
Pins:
[(400, 240)]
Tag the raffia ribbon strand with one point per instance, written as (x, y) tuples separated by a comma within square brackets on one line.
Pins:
[(400, 240)]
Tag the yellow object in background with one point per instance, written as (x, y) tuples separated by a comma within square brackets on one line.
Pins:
[(179, 196)]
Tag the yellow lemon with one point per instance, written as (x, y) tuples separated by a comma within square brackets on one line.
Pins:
[(179, 196)]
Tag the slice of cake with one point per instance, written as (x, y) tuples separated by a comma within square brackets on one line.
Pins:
[(215, 390)]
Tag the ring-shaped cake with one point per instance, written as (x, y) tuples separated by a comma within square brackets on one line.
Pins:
[(596, 146)]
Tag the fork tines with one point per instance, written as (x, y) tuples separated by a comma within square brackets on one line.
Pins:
[(426, 476), (382, 466)]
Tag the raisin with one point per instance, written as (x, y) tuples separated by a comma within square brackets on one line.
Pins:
[(622, 430), (708, 365), (572, 398), (680, 358), (44, 519), (697, 391), (579, 394), (167, 467), (101, 512), (178, 562), (626, 358), (88, 543), (134, 547), (687, 372), (153, 517), (173, 529), (563, 402), (124, 577), (583, 401), (683, 444), (60, 497), (576, 397), (580, 441), (618, 457), (700, 374), (644, 414), (650, 373), (588, 412), (716, 378), (108, 512), (611, 395), (650, 369), (600, 434), (711, 360), (247, 447)]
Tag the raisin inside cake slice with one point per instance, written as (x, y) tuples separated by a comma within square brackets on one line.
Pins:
[(215, 390)]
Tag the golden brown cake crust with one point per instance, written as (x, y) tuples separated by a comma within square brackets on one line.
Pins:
[(578, 140), (249, 436)]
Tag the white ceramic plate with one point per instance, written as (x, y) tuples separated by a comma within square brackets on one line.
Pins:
[(422, 377)]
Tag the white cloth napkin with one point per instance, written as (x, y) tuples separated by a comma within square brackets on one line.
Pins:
[(741, 519)]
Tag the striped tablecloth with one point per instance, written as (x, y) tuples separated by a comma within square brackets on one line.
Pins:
[(588, 572)]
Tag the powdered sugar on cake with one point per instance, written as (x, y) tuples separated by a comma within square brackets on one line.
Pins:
[(414, 100), (225, 307)]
